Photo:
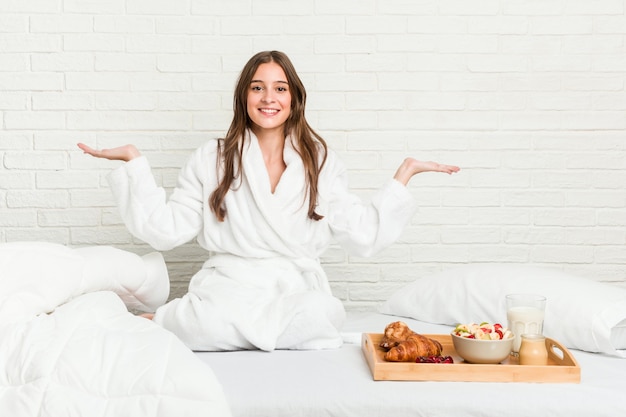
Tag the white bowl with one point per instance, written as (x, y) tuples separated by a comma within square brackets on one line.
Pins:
[(482, 351)]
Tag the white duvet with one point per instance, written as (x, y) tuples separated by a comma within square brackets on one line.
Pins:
[(69, 346)]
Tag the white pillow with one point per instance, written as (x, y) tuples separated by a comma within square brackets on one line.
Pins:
[(580, 313), (37, 277)]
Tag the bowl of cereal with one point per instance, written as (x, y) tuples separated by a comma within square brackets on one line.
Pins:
[(483, 342)]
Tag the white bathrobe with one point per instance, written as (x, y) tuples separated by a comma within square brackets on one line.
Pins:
[(262, 286)]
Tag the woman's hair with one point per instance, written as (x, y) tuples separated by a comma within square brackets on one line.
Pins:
[(310, 146)]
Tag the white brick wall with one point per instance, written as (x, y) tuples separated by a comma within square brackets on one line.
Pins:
[(527, 96)]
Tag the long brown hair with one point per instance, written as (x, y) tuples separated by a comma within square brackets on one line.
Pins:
[(310, 146)]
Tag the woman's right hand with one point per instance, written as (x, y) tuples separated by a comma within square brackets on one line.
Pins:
[(121, 153)]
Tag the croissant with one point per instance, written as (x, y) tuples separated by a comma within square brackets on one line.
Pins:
[(394, 334), (413, 347)]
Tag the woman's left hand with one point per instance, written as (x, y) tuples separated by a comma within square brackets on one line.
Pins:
[(411, 166)]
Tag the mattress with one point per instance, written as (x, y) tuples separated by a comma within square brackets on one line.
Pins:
[(338, 382)]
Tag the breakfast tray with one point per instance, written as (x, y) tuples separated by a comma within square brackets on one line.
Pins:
[(562, 367)]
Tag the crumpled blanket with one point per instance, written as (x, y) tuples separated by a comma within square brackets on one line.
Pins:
[(69, 346)]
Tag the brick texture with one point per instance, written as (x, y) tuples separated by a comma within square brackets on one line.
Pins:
[(528, 97)]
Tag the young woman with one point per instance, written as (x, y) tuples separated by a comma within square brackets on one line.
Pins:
[(265, 201)]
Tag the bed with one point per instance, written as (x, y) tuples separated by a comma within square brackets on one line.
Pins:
[(585, 316), (70, 346), (339, 383)]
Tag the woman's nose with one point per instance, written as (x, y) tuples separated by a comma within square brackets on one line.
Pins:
[(268, 97)]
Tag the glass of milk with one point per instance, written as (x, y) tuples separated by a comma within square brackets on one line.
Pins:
[(524, 313)]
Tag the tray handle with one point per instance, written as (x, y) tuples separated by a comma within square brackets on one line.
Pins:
[(367, 343), (558, 353)]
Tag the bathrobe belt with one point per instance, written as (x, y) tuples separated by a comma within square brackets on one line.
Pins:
[(246, 269)]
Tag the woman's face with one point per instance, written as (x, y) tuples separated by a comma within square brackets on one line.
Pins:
[(269, 98)]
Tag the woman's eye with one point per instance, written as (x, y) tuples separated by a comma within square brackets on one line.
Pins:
[(282, 89), (256, 88)]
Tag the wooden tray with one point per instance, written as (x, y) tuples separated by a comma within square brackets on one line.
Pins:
[(562, 367)]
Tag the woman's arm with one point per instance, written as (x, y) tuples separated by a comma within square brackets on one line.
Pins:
[(364, 228), (148, 213)]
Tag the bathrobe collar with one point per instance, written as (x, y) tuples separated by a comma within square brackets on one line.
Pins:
[(286, 209)]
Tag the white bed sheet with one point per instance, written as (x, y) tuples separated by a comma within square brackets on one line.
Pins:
[(338, 382)]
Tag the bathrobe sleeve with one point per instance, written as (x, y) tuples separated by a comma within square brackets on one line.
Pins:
[(365, 228), (148, 215)]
